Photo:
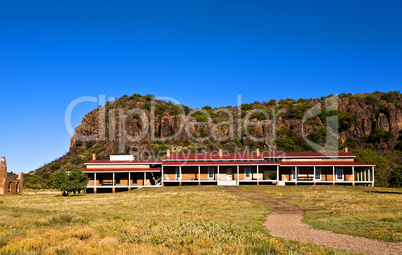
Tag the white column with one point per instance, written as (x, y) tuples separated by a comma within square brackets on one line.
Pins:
[(199, 173), (353, 174), (372, 170), (238, 177), (180, 172), (361, 175), (129, 179), (113, 179), (162, 175), (365, 175), (95, 180), (333, 173), (296, 172), (314, 174), (277, 173), (257, 173), (145, 177), (218, 174)]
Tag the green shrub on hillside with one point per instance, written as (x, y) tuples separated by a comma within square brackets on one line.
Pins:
[(395, 177), (285, 144), (370, 100), (271, 102), (391, 96), (378, 135), (297, 112)]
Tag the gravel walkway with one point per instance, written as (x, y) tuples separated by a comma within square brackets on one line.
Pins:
[(285, 222)]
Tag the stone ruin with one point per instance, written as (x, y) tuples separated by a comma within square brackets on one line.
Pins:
[(9, 185)]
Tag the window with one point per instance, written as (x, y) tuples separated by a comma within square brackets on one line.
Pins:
[(317, 173), (210, 172), (178, 174), (247, 172), (339, 173), (294, 173)]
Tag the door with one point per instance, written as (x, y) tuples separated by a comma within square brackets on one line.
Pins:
[(229, 174)]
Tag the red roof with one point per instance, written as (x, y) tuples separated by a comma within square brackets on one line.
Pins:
[(86, 170), (323, 163), (148, 162), (253, 156), (307, 154), (212, 156), (218, 163)]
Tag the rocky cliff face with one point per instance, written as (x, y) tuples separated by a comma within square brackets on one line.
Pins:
[(366, 120)]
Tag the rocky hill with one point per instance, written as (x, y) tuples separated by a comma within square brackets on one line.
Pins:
[(365, 122)]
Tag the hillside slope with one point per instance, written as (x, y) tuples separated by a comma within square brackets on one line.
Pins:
[(366, 122)]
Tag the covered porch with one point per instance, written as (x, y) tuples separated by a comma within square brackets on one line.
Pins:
[(354, 175), (219, 174), (100, 181)]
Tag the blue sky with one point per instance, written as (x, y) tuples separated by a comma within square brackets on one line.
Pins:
[(199, 52)]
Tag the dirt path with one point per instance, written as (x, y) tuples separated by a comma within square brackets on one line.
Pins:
[(285, 222)]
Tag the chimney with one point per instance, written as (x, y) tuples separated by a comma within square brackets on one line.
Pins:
[(258, 152), (168, 153), (220, 153), (346, 149), (21, 176), (3, 164), (93, 156)]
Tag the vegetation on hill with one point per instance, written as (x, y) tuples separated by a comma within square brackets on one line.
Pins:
[(366, 122)]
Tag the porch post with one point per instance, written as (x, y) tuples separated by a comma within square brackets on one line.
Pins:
[(180, 175), (238, 178), (94, 182), (314, 175), (218, 174), (129, 181), (353, 176), (199, 175), (372, 181), (365, 175), (277, 174), (297, 174), (333, 175), (257, 176), (113, 189), (145, 177), (162, 177)]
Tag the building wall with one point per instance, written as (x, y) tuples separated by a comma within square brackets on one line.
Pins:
[(9, 185)]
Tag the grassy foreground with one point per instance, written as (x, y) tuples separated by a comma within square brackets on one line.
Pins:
[(170, 220), (360, 211)]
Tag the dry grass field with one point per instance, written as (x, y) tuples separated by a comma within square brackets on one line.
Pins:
[(374, 213), (170, 220), (189, 220)]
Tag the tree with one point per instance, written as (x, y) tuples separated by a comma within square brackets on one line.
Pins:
[(73, 182), (395, 177), (285, 144)]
